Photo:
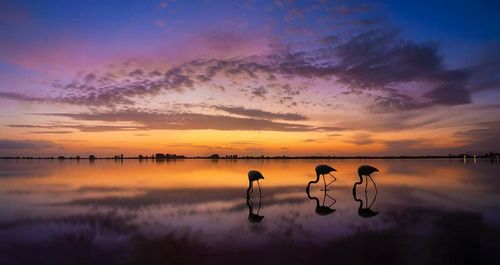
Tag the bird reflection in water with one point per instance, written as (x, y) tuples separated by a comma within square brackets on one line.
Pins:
[(364, 209), (322, 209), (253, 218)]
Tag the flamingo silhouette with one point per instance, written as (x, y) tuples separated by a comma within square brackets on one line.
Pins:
[(322, 210), (365, 170), (253, 175), (322, 170)]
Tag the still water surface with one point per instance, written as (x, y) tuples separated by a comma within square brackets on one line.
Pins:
[(196, 212)]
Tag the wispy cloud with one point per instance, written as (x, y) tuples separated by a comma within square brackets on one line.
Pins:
[(7, 144), (79, 127), (50, 132), (257, 113), (361, 139), (147, 120)]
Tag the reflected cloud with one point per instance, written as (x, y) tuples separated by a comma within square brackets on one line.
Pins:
[(92, 223), (141, 198), (7, 144)]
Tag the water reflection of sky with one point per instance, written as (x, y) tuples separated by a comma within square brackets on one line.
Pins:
[(107, 205)]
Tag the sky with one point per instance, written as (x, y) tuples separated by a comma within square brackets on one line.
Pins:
[(250, 77)]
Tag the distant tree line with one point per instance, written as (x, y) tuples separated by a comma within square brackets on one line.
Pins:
[(161, 156)]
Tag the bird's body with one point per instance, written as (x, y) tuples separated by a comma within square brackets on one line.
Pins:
[(324, 169), (255, 218), (324, 210), (321, 170), (366, 212), (253, 175), (366, 170)]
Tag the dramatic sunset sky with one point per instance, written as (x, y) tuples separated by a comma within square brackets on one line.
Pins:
[(249, 77)]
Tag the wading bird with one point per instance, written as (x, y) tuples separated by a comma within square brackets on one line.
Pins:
[(322, 170), (365, 170), (253, 175)]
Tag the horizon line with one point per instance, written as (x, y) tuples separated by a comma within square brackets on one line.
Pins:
[(236, 157)]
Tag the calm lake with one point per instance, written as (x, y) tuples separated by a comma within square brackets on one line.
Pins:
[(196, 212)]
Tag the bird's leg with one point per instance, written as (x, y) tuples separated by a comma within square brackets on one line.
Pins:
[(366, 199), (334, 201), (258, 209), (366, 186), (260, 194), (334, 179), (260, 202), (375, 185), (324, 182), (376, 192)]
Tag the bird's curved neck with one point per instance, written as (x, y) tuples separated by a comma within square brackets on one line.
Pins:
[(356, 198), (250, 183), (355, 184), (360, 179), (313, 181), (311, 197), (250, 206)]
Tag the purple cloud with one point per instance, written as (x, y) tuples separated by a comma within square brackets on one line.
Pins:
[(256, 113), (184, 121), (7, 144)]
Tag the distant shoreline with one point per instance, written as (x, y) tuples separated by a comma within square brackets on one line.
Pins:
[(493, 156)]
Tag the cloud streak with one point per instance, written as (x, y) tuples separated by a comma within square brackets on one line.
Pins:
[(257, 113), (7, 144), (147, 120)]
